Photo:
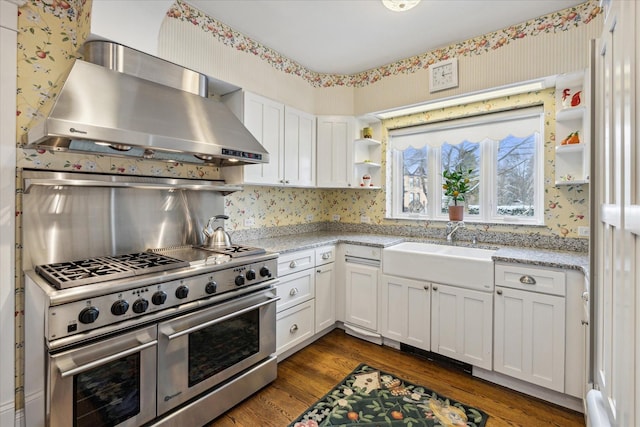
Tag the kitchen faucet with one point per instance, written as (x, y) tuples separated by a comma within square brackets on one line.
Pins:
[(452, 227)]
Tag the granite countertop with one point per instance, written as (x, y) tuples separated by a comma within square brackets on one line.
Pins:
[(532, 256), (295, 242), (544, 258)]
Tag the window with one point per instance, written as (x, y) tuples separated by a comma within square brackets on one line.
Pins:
[(503, 150)]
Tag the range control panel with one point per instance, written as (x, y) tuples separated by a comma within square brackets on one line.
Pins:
[(92, 313)]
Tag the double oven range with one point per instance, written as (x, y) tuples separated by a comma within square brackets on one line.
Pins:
[(173, 336)]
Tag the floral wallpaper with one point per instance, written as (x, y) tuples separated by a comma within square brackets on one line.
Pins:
[(556, 22)]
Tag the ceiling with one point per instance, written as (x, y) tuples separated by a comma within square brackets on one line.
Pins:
[(350, 36)]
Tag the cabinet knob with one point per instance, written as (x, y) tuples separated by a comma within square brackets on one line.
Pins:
[(293, 328), (293, 291), (584, 323), (527, 280), (293, 264), (318, 271), (326, 255), (499, 292), (426, 287), (435, 288), (286, 181), (585, 296)]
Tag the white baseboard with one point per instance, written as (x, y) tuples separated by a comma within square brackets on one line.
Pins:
[(7, 413), (552, 396)]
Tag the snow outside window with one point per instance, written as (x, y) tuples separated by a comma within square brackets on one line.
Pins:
[(505, 152)]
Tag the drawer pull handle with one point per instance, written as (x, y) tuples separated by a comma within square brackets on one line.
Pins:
[(326, 255), (293, 328), (527, 280), (584, 322), (499, 292), (293, 264), (293, 291)]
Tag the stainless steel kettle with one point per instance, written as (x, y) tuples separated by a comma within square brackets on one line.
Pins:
[(218, 237)]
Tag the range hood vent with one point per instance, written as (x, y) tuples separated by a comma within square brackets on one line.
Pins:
[(134, 104)]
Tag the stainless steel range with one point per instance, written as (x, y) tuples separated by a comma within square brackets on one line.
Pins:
[(173, 335)]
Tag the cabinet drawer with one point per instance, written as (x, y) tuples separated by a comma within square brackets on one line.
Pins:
[(295, 288), (294, 326), (295, 261), (359, 251), (325, 255), (533, 279)]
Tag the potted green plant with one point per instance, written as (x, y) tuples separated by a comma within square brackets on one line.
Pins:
[(456, 185)]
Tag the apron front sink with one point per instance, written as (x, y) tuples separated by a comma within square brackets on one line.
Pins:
[(450, 265)]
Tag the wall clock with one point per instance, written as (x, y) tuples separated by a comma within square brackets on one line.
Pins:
[(443, 75)]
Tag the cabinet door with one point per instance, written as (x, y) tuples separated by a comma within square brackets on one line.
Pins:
[(265, 120), (361, 302), (405, 311), (299, 148), (530, 337), (461, 324), (335, 152), (325, 297)]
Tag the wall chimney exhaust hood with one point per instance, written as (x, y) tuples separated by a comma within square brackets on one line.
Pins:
[(122, 102)]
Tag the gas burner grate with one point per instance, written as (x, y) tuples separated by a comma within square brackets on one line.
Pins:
[(237, 250), (69, 274), (148, 262)]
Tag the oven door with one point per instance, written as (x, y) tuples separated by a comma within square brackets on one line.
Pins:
[(201, 350), (111, 382)]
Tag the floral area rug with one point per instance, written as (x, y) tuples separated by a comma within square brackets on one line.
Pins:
[(369, 397)]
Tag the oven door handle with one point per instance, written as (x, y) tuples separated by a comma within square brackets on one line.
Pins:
[(96, 363), (221, 319)]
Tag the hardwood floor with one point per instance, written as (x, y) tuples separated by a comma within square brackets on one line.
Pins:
[(308, 375)]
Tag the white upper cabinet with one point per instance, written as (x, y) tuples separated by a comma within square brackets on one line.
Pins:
[(335, 151), (265, 120), (289, 135), (299, 161)]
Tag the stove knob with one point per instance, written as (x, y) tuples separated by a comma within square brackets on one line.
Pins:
[(88, 315), (159, 298), (251, 274), (182, 292), (239, 280), (211, 287), (140, 305), (119, 307), (265, 272)]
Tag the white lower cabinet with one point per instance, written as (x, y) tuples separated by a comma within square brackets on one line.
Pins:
[(295, 288), (405, 314), (461, 324), (307, 297), (361, 300), (325, 297), (293, 326), (530, 325)]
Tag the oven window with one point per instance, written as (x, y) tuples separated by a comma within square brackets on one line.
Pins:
[(217, 347), (109, 394)]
